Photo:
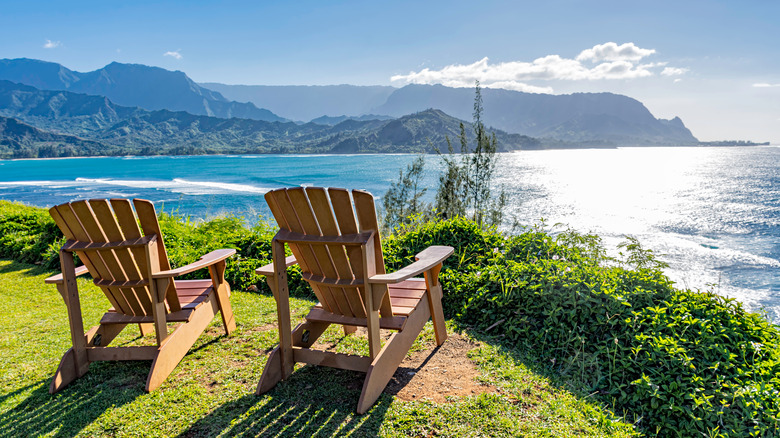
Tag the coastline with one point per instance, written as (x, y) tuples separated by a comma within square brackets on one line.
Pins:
[(315, 154)]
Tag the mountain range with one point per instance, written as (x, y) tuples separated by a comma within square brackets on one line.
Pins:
[(93, 125), (589, 118), (136, 109), (307, 102), (151, 88)]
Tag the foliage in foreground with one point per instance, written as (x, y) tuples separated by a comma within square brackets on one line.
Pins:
[(676, 362), (211, 392)]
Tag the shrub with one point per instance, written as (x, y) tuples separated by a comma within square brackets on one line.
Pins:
[(677, 362), (29, 235), (680, 362)]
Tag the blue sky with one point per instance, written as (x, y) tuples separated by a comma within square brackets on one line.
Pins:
[(716, 64)]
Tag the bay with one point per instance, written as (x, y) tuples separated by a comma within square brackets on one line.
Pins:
[(713, 214)]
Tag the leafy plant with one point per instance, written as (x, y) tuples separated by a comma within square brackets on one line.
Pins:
[(675, 362)]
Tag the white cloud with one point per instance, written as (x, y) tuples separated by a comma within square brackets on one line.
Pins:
[(611, 62), (765, 85), (51, 44), (674, 71), (173, 54), (612, 52), (517, 86)]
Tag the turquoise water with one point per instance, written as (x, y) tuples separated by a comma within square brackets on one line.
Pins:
[(713, 213)]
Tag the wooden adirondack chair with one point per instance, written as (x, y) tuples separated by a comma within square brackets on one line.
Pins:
[(341, 259), (133, 271)]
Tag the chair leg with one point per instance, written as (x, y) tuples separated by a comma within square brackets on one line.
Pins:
[(392, 354), (74, 363), (222, 288), (178, 343), (67, 372), (272, 373), (435, 295), (437, 314)]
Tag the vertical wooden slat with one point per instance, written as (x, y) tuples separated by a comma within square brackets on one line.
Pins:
[(320, 204), (71, 227), (309, 225), (148, 218), (270, 199), (345, 215), (108, 222), (366, 214), (95, 233), (128, 223), (285, 213)]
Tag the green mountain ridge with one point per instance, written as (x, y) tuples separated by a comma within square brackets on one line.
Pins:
[(566, 120), (20, 140), (135, 131)]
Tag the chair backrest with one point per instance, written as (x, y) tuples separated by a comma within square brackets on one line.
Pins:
[(123, 264), (334, 271)]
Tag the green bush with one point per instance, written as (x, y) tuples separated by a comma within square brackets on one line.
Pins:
[(28, 234), (186, 241), (677, 362)]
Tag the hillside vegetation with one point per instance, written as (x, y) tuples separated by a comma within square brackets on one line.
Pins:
[(97, 126), (571, 120), (672, 362)]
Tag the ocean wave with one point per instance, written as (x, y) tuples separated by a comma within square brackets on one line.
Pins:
[(230, 187), (40, 183), (178, 185)]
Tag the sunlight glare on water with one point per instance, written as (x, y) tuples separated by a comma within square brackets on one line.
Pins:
[(712, 214)]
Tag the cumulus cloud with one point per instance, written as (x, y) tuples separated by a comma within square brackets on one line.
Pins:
[(612, 52), (173, 54), (51, 44), (765, 85), (608, 61), (673, 71)]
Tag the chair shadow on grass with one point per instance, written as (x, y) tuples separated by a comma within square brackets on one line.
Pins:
[(64, 414), (314, 401)]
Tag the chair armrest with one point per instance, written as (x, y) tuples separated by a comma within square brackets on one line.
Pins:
[(57, 279), (426, 259), (268, 270), (207, 260)]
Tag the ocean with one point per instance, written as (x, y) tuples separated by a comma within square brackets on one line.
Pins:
[(711, 213)]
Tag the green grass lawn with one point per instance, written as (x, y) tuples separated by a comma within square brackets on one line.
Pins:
[(211, 392)]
